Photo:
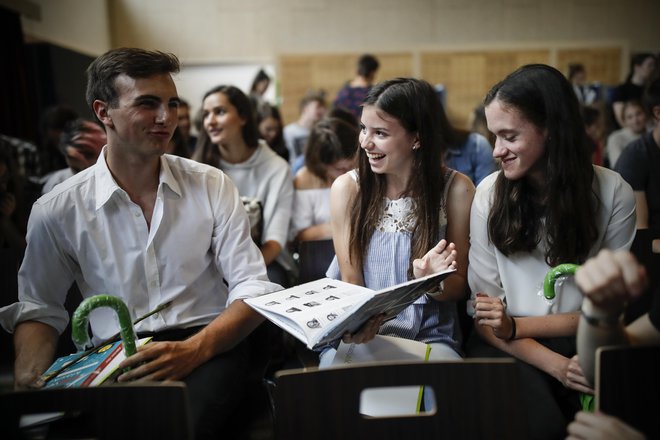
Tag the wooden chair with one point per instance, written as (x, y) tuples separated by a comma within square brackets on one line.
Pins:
[(628, 386), (642, 248), (140, 411), (315, 257), (475, 399)]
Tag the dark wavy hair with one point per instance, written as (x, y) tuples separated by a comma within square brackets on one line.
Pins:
[(566, 202), (205, 151), (134, 62), (415, 104)]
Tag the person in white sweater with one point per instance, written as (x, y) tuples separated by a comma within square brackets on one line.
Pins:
[(230, 142)]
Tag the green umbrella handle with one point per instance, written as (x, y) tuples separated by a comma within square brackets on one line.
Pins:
[(553, 274), (81, 317)]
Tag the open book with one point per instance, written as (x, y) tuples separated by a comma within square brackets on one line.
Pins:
[(91, 370), (321, 311)]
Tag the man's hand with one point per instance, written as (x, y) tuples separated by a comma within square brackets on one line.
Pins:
[(167, 360), (573, 377), (610, 279), (600, 426)]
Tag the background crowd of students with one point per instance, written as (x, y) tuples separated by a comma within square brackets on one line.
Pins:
[(402, 193)]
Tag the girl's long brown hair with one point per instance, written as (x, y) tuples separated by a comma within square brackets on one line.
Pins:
[(562, 212), (416, 106)]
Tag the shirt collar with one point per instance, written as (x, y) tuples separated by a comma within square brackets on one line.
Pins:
[(106, 185)]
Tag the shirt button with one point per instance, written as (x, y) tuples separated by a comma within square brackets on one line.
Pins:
[(137, 214)]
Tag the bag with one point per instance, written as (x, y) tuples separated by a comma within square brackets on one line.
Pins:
[(254, 210)]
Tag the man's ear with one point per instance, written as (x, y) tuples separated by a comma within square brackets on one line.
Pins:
[(101, 111)]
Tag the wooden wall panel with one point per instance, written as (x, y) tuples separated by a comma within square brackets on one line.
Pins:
[(601, 64), (300, 74), (467, 75)]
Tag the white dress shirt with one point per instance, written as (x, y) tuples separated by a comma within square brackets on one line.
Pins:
[(197, 252)]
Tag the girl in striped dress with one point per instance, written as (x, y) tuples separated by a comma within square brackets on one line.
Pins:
[(402, 214)]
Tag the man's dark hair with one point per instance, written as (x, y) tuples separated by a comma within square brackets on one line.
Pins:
[(574, 69), (367, 65), (133, 62)]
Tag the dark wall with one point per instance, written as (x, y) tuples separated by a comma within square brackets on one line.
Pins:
[(58, 77)]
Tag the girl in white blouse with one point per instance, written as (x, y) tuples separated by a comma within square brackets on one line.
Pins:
[(548, 205)]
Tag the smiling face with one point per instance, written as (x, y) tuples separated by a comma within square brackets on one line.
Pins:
[(145, 116), (221, 119), (387, 144), (519, 144), (634, 118)]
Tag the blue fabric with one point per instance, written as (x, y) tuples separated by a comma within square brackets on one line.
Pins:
[(474, 158), (298, 164), (386, 265)]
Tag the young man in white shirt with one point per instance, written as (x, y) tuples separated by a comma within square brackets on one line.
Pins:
[(148, 228)]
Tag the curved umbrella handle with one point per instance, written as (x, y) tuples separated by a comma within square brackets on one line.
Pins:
[(553, 274), (81, 317)]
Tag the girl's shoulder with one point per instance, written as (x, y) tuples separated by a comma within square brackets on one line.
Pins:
[(305, 179)]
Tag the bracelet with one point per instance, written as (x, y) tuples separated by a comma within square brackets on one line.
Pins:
[(602, 321), (513, 329)]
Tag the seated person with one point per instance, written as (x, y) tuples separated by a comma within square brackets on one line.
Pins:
[(80, 143), (639, 164), (402, 214), (607, 282), (148, 228), (312, 109), (230, 142), (468, 153), (330, 152), (269, 123), (525, 220), (634, 119)]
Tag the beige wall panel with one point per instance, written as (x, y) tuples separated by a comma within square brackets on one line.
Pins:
[(467, 76), (601, 64), (300, 74)]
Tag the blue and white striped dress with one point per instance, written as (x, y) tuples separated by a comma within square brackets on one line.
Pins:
[(387, 263)]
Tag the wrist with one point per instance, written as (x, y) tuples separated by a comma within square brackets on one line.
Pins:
[(598, 317), (513, 329)]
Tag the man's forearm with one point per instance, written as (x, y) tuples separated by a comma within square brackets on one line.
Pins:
[(35, 344), (227, 330)]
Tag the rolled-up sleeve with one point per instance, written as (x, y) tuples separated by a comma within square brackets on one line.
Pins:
[(44, 278)]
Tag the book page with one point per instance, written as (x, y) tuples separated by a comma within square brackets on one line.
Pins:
[(321, 311), (390, 301), (312, 308)]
